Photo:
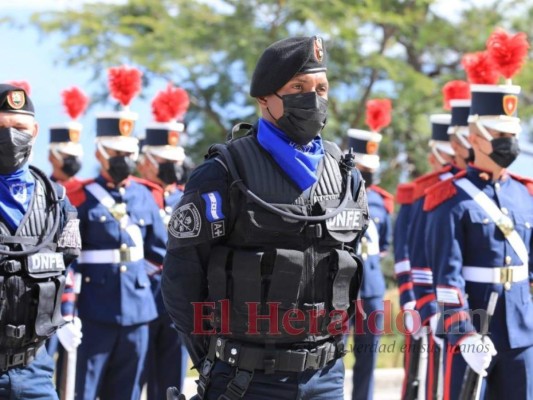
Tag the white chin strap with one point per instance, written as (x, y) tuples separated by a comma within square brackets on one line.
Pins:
[(151, 159), (102, 151), (483, 131), (438, 156), (56, 155)]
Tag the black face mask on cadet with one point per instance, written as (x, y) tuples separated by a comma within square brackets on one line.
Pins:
[(504, 151), (170, 172), (120, 167), (304, 116), (471, 156), (15, 149), (368, 178), (71, 165)]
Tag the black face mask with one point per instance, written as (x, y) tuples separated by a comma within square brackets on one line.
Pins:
[(304, 116), (15, 149), (471, 156), (504, 151), (368, 178), (170, 172), (71, 165), (120, 167)]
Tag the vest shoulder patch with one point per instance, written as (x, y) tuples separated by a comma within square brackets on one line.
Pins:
[(388, 199), (441, 192), (527, 182)]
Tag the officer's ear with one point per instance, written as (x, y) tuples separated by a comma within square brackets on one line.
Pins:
[(35, 130), (262, 101)]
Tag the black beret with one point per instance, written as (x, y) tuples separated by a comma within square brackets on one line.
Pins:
[(15, 100), (282, 60)]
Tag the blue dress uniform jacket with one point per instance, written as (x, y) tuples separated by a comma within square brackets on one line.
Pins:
[(402, 265), (119, 293), (460, 234), (423, 286)]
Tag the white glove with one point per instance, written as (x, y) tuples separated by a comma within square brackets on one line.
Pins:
[(433, 322), (478, 352), (70, 334), (409, 323)]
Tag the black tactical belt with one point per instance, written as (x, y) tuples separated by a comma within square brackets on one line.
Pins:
[(20, 359), (283, 360)]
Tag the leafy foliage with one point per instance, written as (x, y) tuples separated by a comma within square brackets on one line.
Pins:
[(404, 50)]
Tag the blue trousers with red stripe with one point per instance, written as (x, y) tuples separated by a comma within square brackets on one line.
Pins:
[(510, 375)]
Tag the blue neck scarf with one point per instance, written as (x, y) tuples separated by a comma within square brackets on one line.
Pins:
[(298, 162), (16, 190)]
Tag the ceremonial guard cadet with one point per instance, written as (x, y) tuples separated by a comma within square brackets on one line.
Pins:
[(264, 231), (161, 164), (65, 153), (373, 246), (40, 238), (457, 98), (479, 242), (121, 230)]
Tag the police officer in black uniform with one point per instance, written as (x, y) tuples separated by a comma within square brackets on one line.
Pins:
[(39, 238), (259, 266)]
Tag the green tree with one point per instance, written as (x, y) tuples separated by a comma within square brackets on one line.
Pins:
[(401, 49)]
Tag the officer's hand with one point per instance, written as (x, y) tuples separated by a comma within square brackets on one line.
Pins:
[(478, 352), (70, 334), (433, 323)]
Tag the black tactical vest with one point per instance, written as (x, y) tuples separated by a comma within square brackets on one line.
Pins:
[(31, 285), (300, 273)]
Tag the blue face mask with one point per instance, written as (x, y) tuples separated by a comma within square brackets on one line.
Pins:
[(15, 149)]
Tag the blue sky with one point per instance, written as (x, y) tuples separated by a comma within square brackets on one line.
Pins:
[(31, 58)]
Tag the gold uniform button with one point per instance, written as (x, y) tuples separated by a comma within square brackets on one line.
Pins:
[(528, 225), (141, 222), (87, 279), (376, 220), (166, 194), (507, 260), (123, 268), (123, 246), (497, 186), (122, 191), (507, 285), (103, 218), (485, 221), (505, 211)]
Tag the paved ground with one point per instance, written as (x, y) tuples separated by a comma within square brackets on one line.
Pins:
[(388, 384)]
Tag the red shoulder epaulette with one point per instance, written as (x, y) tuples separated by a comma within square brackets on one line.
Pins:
[(527, 182), (423, 182), (441, 191), (404, 193), (388, 199), (155, 189), (74, 188)]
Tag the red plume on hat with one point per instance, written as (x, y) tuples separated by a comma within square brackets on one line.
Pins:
[(124, 83), (74, 101), (23, 85), (378, 114), (480, 69), (508, 52), (455, 90), (170, 104)]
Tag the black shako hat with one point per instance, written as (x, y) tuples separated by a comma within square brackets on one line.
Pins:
[(14, 99), (284, 59)]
